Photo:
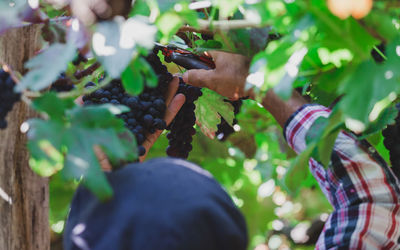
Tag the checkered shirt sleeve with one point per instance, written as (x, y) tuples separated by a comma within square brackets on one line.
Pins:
[(361, 187)]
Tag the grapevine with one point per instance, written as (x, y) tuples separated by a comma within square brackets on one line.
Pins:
[(7, 96), (181, 129), (391, 141), (147, 109), (224, 128)]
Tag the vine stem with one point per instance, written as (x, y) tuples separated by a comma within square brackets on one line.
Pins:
[(53, 20), (205, 26), (70, 94), (317, 71), (380, 53), (76, 93)]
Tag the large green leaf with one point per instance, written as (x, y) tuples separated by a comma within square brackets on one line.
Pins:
[(210, 107), (298, 171), (116, 42), (136, 74), (12, 14), (46, 67), (66, 141), (372, 83), (323, 134), (227, 7), (170, 21), (335, 33)]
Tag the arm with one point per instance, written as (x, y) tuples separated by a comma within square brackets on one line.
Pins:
[(229, 78), (361, 187)]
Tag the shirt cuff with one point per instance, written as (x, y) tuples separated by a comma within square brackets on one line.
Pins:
[(300, 122)]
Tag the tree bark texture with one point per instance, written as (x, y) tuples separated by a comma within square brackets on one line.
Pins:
[(24, 196)]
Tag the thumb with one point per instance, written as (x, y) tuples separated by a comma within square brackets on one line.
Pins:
[(198, 77)]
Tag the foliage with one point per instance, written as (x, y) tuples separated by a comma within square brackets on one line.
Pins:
[(314, 45), (209, 109)]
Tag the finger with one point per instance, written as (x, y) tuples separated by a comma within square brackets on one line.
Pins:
[(198, 77), (215, 54), (102, 158), (79, 100), (172, 89), (173, 109)]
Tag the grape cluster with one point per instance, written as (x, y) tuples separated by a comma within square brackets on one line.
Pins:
[(391, 141), (224, 128), (147, 109), (182, 127), (7, 97), (63, 83)]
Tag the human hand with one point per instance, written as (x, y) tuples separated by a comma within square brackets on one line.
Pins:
[(174, 103), (228, 78)]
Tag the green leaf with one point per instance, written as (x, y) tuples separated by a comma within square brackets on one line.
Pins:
[(53, 106), (323, 134), (382, 23), (116, 42), (298, 170), (10, 15), (227, 7), (373, 83), (67, 141), (132, 78), (352, 35), (46, 67), (387, 116), (168, 24), (45, 146), (210, 107)]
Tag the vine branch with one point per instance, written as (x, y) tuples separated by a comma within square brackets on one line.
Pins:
[(211, 27)]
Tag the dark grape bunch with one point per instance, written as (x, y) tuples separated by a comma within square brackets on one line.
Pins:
[(224, 128), (182, 127), (7, 97), (63, 83), (392, 142), (147, 109)]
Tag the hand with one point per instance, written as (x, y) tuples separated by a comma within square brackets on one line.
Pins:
[(228, 78), (174, 103)]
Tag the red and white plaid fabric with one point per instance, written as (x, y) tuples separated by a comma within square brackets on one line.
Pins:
[(358, 183)]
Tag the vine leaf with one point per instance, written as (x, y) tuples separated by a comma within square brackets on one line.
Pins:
[(116, 42), (323, 134), (138, 72), (298, 170), (170, 21), (46, 67), (11, 15), (227, 7), (210, 107), (66, 141), (320, 140), (387, 116), (373, 83)]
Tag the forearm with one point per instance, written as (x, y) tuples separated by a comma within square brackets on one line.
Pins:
[(282, 109)]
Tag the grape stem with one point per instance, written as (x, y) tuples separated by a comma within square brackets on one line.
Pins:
[(53, 20), (88, 91), (74, 93)]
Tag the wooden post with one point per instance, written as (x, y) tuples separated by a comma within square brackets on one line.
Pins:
[(24, 196)]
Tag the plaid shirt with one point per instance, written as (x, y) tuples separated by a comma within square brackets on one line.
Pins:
[(361, 187)]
